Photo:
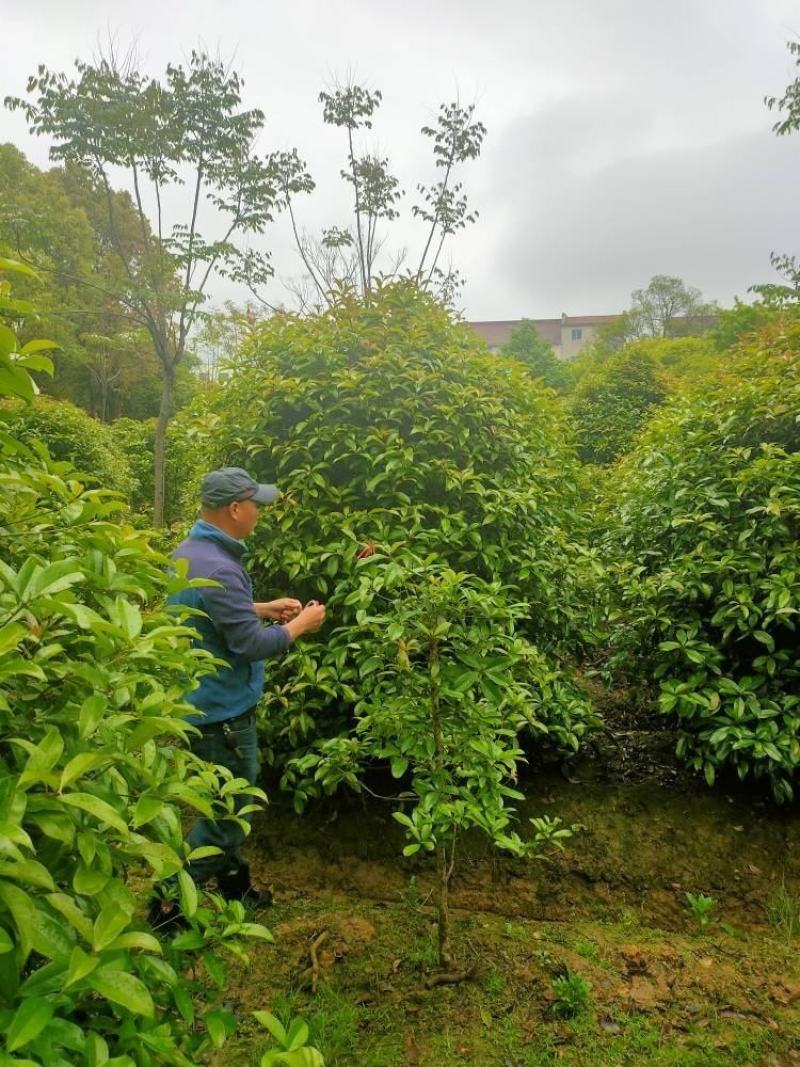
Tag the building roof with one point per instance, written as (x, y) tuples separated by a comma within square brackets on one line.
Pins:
[(496, 332), (588, 320)]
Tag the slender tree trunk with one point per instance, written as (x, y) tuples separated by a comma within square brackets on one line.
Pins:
[(443, 906), (164, 413), (442, 867)]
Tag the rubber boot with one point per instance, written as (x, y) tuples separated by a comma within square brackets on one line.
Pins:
[(236, 885)]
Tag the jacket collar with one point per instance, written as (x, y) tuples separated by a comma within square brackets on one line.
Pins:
[(207, 531)]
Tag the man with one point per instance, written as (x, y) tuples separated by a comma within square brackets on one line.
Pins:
[(231, 630)]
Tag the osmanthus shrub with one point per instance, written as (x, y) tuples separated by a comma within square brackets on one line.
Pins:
[(135, 439), (613, 400), (390, 428), (702, 537), (92, 780), (70, 434)]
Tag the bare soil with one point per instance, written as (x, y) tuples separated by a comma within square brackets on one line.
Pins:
[(611, 908)]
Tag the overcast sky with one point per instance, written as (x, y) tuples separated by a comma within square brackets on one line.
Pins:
[(626, 137)]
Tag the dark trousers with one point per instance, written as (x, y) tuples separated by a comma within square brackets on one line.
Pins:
[(232, 744)]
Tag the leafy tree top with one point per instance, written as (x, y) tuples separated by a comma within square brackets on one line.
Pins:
[(528, 346)]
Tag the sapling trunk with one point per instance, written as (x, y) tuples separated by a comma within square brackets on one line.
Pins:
[(442, 906), (442, 867)]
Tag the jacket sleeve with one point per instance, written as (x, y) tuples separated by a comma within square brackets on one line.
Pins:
[(230, 609)]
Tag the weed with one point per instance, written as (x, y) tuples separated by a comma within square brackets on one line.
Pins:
[(423, 953), (572, 995), (587, 949), (494, 984), (291, 1039), (515, 931), (783, 910), (701, 907), (412, 896)]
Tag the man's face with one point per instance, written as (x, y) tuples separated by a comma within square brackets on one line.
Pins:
[(244, 516)]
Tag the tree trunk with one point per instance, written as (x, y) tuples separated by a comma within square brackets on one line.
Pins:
[(164, 413), (442, 906), (442, 868)]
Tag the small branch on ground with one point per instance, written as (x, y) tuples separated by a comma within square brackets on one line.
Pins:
[(449, 978), (316, 944)]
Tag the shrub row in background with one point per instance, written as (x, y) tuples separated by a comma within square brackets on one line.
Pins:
[(702, 520), (70, 434)]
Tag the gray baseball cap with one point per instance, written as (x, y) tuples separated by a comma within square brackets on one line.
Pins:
[(234, 483)]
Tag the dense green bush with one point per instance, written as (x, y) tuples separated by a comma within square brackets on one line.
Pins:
[(92, 784), (136, 441), (389, 425), (70, 434), (612, 402), (703, 524)]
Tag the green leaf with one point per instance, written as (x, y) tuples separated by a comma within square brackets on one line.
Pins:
[(203, 852), (274, 1025), (36, 363), (147, 808), (188, 893), (39, 345), (15, 267), (101, 810), (108, 925), (765, 639), (79, 765), (297, 1035), (92, 711), (399, 765), (96, 1050), (31, 1017), (55, 578), (8, 341), (80, 966), (137, 939), (23, 912), (218, 1024), (10, 636), (124, 989), (27, 872)]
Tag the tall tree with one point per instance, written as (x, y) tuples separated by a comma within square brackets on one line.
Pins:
[(527, 345), (189, 131), (777, 294), (668, 308), (46, 218), (350, 255)]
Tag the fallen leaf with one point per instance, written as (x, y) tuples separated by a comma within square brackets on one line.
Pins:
[(411, 1050)]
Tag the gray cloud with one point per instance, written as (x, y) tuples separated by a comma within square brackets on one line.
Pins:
[(625, 138)]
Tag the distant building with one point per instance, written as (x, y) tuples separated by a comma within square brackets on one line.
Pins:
[(567, 335)]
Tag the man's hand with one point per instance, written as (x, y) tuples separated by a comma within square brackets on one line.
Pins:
[(282, 610), (308, 621)]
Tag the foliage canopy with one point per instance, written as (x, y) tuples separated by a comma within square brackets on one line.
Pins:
[(703, 538), (388, 425)]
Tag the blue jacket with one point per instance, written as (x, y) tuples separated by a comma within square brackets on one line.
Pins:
[(232, 631)]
